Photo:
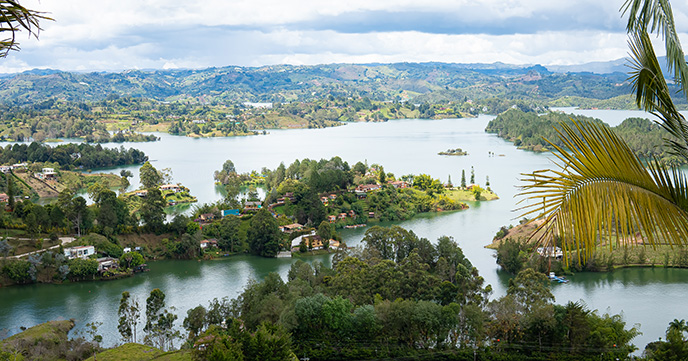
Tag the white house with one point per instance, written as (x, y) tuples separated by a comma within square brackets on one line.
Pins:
[(79, 252)]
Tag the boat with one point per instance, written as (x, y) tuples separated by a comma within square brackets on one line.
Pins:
[(555, 278)]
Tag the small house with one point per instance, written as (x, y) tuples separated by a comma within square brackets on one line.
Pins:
[(79, 252), (252, 206), (323, 200), (4, 197), (342, 215), (289, 228), (5, 168), (333, 196), (126, 250), (207, 217), (107, 263), (551, 252), (371, 214), (332, 218), (208, 243), (171, 187), (352, 214), (141, 193)]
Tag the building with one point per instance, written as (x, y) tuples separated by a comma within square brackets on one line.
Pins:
[(4, 197), (171, 187), (554, 252), (363, 189), (107, 263), (289, 228), (79, 252), (252, 206), (141, 193), (208, 243)]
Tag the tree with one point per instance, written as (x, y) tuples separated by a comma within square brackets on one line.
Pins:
[(472, 175), (600, 188), (152, 210), (195, 321), (264, 235), (15, 18), (159, 321), (463, 178), (129, 313), (149, 176)]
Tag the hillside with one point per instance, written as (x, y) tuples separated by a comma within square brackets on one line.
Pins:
[(285, 83)]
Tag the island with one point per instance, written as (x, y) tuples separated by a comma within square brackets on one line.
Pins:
[(457, 151)]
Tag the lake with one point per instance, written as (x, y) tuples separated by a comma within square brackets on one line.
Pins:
[(402, 147)]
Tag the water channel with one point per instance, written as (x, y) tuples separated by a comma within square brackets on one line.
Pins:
[(645, 296)]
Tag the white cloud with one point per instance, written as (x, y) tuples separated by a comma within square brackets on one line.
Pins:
[(117, 35)]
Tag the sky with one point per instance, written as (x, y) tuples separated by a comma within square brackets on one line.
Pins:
[(108, 35)]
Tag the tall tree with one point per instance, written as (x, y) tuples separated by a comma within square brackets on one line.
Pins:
[(129, 313), (463, 178), (264, 235), (153, 210), (149, 176)]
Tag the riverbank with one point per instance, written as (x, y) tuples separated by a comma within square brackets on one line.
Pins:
[(607, 255)]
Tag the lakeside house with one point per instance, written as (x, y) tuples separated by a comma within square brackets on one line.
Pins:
[(79, 252), (46, 174), (398, 184), (208, 243), (107, 263), (289, 228), (313, 242), (252, 206), (171, 187), (552, 252), (363, 189), (4, 197), (332, 218)]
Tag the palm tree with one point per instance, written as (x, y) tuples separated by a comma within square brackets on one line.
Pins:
[(599, 187), (13, 18)]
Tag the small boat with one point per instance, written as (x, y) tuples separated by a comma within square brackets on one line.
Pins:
[(556, 278)]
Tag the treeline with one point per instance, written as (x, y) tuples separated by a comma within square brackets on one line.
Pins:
[(70, 156), (398, 296), (529, 131)]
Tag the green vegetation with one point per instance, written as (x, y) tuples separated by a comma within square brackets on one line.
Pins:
[(457, 151), (70, 156), (529, 131)]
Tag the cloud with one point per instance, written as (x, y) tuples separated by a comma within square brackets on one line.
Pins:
[(118, 35)]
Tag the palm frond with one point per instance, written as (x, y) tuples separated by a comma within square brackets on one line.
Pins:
[(601, 189), (656, 16), (652, 92), (13, 18)]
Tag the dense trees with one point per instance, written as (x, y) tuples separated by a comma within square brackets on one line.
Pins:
[(70, 156), (532, 131), (264, 235)]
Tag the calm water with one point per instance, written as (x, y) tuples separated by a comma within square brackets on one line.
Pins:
[(404, 146)]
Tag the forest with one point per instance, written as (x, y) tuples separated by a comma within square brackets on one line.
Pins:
[(72, 156), (534, 132)]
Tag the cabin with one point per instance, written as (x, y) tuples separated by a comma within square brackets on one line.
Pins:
[(289, 228), (252, 206), (399, 184), (323, 200), (82, 252), (363, 189), (208, 243), (107, 263), (551, 252), (332, 218), (207, 217), (342, 215), (171, 187)]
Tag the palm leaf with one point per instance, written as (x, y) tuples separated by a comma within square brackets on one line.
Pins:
[(13, 18), (656, 16), (600, 189)]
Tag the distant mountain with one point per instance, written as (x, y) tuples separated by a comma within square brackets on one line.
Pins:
[(598, 67), (284, 83)]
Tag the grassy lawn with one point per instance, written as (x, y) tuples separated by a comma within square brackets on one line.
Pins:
[(129, 352), (52, 331), (462, 195)]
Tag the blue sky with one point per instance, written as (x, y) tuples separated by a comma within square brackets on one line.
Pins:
[(106, 35)]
